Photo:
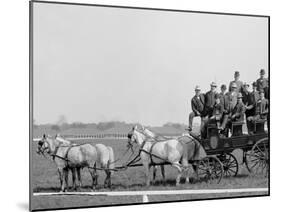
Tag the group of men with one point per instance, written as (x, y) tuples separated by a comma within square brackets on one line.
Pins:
[(231, 106)]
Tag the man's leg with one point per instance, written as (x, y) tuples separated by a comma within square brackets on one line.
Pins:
[(204, 127), (224, 122), (249, 121), (191, 117)]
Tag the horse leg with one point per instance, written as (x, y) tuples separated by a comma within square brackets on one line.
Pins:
[(107, 182), (179, 169), (62, 178), (66, 178), (109, 179), (73, 171), (147, 173), (94, 177), (79, 177), (163, 173), (154, 174)]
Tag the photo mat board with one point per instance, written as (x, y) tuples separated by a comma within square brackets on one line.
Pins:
[(127, 107)]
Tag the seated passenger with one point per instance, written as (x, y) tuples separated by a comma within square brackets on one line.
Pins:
[(197, 105), (224, 99), (261, 109), (236, 114), (217, 111)]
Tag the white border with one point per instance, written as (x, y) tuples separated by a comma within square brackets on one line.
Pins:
[(14, 103)]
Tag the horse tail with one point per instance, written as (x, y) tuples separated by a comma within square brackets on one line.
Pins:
[(111, 162)]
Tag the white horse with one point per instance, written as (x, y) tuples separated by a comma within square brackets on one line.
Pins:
[(76, 157), (177, 152), (155, 138)]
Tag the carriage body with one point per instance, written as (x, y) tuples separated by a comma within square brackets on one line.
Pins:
[(255, 147)]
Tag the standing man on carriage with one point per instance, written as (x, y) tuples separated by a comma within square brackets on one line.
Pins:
[(249, 102), (209, 106), (255, 93), (232, 98), (217, 113), (223, 98), (262, 83), (239, 83), (197, 105)]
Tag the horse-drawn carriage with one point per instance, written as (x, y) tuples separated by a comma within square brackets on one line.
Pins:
[(219, 160), (211, 157)]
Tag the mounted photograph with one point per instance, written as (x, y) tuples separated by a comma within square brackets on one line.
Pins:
[(136, 105)]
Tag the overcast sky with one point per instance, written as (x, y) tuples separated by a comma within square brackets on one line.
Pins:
[(95, 64)]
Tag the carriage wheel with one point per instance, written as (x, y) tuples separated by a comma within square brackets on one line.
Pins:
[(210, 168), (230, 165), (257, 161)]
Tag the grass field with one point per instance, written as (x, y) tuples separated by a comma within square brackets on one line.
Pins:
[(45, 179)]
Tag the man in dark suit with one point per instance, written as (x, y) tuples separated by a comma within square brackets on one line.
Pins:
[(261, 109), (255, 93), (262, 83), (249, 102), (218, 110), (224, 99), (208, 108), (239, 110), (236, 113), (197, 106), (238, 82), (210, 99)]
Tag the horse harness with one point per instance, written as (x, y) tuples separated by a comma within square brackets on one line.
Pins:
[(65, 158), (156, 156)]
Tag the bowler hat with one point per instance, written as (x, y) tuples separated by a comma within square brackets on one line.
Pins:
[(262, 71), (213, 84), (236, 73), (197, 88)]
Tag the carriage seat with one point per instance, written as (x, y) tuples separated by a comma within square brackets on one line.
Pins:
[(236, 128), (259, 125)]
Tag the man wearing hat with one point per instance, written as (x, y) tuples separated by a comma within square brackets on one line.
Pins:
[(232, 96), (224, 99), (239, 110), (238, 83), (261, 109), (236, 114), (197, 105), (255, 93), (208, 108), (217, 111), (249, 102), (262, 83), (210, 99)]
